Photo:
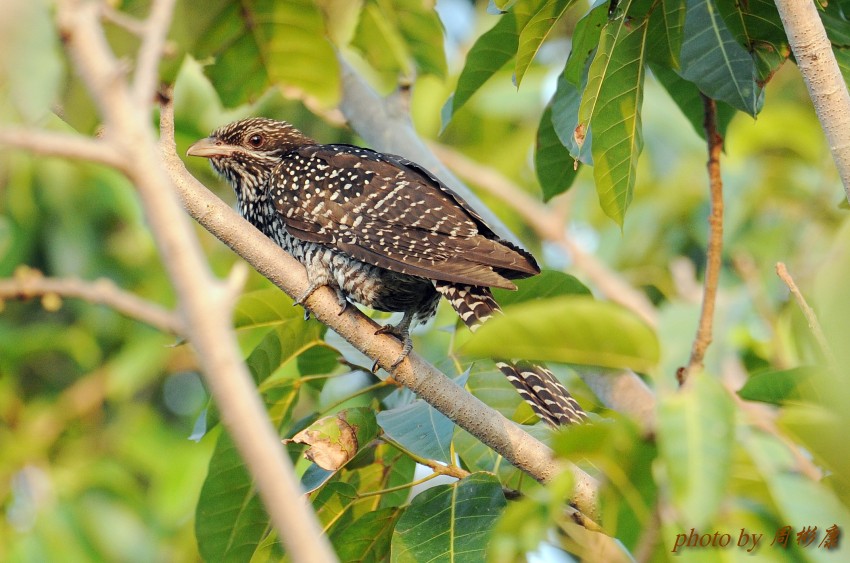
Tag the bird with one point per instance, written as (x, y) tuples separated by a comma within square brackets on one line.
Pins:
[(381, 231)]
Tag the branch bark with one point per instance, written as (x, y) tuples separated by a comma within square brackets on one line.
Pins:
[(27, 284), (715, 244), (822, 76)]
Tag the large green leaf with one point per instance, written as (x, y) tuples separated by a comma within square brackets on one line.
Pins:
[(666, 26), (534, 33), (565, 107), (778, 387), (487, 56), (548, 283), (30, 66), (715, 62), (696, 435), (420, 428), (757, 27), (584, 41), (610, 107), (393, 34), (556, 169), (570, 329), (449, 522), (230, 521), (368, 538), (263, 43)]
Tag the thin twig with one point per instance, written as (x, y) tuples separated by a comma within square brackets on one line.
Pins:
[(808, 312), (28, 283), (67, 145), (715, 244)]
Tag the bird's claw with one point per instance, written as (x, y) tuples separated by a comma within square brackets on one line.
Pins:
[(340, 296), (402, 332)]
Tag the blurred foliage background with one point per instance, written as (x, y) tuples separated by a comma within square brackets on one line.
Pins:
[(97, 410)]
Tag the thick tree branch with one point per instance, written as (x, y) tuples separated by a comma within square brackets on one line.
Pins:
[(822, 76), (468, 412), (715, 244), (203, 301), (29, 283)]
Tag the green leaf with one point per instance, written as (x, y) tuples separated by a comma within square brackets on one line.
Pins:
[(569, 329), (756, 26), (715, 62), (421, 428), (535, 32), (565, 107), (264, 43), (687, 97), (666, 26), (368, 538), (610, 107), (556, 169), (230, 521), (423, 32), (585, 40), (798, 498), (449, 522), (30, 64), (696, 435), (264, 308), (487, 56), (548, 283), (777, 387), (381, 44), (280, 346)]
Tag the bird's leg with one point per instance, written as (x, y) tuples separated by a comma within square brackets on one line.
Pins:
[(314, 285), (402, 332)]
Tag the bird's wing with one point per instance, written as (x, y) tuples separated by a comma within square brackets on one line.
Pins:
[(387, 211)]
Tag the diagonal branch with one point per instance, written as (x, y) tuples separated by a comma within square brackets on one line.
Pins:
[(28, 283), (468, 412)]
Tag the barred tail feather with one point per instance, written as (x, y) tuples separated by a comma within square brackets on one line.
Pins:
[(538, 386)]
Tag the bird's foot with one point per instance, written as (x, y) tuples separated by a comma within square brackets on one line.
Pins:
[(402, 332), (340, 296)]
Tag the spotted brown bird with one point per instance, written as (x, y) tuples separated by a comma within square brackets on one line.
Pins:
[(379, 230)]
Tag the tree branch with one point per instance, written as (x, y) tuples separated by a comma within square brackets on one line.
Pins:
[(203, 300), (715, 244), (827, 89), (67, 145), (468, 412), (29, 283), (153, 43)]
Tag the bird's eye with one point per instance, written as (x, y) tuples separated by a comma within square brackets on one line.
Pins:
[(255, 140)]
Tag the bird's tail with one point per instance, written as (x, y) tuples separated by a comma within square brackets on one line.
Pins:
[(538, 386)]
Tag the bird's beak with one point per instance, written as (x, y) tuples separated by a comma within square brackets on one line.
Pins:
[(210, 148)]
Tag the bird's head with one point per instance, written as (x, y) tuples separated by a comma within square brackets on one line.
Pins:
[(246, 152)]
